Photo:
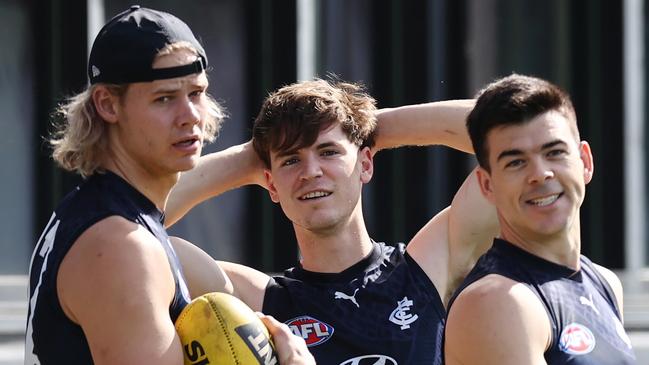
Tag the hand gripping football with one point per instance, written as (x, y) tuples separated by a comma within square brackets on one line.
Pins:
[(218, 328)]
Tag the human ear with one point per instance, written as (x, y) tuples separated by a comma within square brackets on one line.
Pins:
[(586, 156), (106, 103), (486, 185), (270, 185), (367, 164)]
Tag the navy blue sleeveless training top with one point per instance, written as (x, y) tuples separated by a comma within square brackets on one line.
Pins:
[(581, 306), (382, 310), (51, 338)]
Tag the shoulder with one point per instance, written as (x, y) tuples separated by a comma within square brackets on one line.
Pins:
[(116, 279), (614, 282), (116, 237), (501, 320), (116, 255)]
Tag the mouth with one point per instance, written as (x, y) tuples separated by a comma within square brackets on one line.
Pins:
[(315, 195), (544, 201), (187, 142)]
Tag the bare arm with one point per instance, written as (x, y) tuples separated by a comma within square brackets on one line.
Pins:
[(202, 273), (473, 224), (496, 321), (116, 283), (249, 284), (448, 246), (440, 122), (215, 174), (431, 123)]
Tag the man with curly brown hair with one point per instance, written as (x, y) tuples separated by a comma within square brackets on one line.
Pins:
[(353, 300)]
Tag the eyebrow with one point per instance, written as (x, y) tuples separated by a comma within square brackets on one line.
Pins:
[(292, 151), (172, 88), (326, 145), (517, 152)]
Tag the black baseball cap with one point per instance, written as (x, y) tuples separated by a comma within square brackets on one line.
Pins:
[(124, 49)]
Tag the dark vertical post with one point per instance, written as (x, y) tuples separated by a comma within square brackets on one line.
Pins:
[(60, 71)]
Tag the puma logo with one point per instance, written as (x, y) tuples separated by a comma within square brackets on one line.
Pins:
[(352, 298), (588, 302)]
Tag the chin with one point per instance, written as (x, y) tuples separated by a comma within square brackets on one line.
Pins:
[(321, 225), (551, 229), (188, 163)]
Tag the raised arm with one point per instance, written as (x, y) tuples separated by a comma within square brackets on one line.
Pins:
[(440, 122), (448, 246), (215, 174), (473, 224)]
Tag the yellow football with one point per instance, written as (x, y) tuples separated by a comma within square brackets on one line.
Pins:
[(218, 328)]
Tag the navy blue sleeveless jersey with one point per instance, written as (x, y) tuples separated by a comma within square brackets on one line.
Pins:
[(382, 310), (581, 306), (51, 338)]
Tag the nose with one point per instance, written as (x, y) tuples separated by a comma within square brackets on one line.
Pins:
[(310, 167), (539, 172), (189, 113)]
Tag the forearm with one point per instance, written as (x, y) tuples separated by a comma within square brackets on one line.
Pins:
[(441, 122), (215, 174)]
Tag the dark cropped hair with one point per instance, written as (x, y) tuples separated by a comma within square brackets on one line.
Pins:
[(293, 116), (514, 100)]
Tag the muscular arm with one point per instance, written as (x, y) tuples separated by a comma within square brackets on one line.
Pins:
[(440, 122), (249, 284), (450, 243), (116, 283), (496, 321), (473, 224), (215, 174), (202, 273), (448, 246)]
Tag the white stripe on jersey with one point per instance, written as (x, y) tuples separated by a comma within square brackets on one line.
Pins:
[(44, 251)]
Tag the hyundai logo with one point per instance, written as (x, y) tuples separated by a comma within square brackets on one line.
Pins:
[(370, 360)]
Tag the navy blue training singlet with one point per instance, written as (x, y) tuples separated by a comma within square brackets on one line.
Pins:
[(51, 338), (382, 310), (581, 306)]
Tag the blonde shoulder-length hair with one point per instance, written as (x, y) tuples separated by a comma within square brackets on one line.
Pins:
[(79, 140)]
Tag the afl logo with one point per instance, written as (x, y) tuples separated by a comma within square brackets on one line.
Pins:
[(313, 331), (370, 360), (576, 339)]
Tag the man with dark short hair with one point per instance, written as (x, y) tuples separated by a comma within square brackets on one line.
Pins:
[(533, 298)]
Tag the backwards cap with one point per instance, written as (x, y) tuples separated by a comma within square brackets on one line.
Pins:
[(126, 46)]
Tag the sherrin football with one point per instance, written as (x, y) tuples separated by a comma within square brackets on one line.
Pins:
[(218, 328)]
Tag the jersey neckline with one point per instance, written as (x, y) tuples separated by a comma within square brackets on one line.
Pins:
[(364, 265)]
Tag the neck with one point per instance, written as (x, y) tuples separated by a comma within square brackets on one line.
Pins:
[(563, 248), (336, 249), (155, 187)]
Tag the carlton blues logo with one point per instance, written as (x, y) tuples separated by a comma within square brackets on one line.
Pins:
[(313, 331), (576, 339), (258, 343)]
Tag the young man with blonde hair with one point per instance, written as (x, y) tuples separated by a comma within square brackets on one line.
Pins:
[(105, 283)]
